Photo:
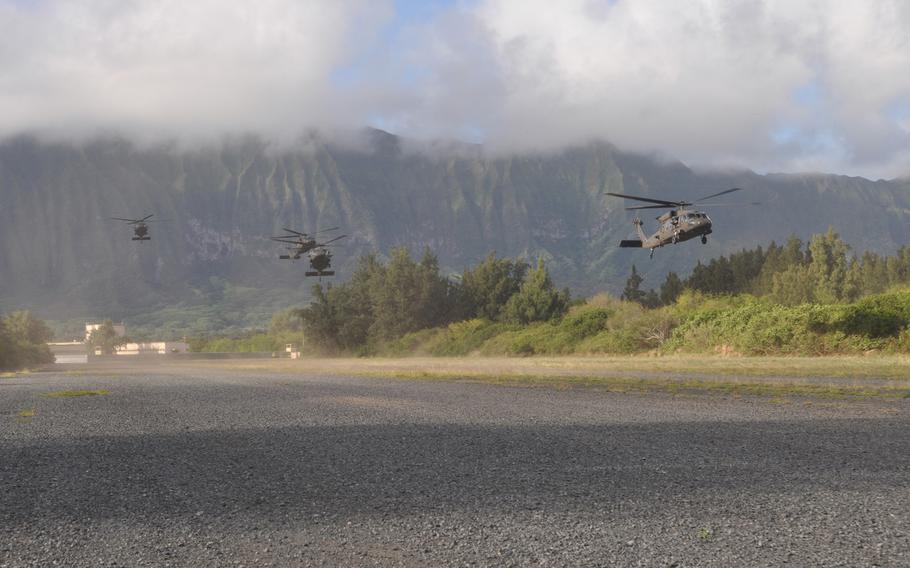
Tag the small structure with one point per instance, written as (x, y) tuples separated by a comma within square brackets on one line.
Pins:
[(292, 350), (153, 348)]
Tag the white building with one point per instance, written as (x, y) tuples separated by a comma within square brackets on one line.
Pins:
[(153, 348)]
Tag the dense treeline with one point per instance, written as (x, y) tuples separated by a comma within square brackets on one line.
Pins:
[(810, 298), (23, 341), (383, 302), (821, 271)]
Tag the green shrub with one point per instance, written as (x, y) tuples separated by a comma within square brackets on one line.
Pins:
[(466, 337), (585, 321), (882, 315), (414, 343), (758, 327)]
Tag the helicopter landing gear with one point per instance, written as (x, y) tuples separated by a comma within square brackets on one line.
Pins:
[(704, 239), (675, 237), (652, 253)]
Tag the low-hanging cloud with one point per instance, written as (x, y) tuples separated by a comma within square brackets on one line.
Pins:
[(789, 84), (778, 85), (156, 69)]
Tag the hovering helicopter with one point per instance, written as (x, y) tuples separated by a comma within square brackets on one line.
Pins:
[(320, 262), (140, 226), (318, 253), (677, 225), (302, 242)]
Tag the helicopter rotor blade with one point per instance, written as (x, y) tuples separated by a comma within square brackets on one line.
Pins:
[(651, 207), (331, 241), (730, 204), (298, 233), (661, 202), (326, 230), (285, 240), (713, 195), (130, 221), (147, 217)]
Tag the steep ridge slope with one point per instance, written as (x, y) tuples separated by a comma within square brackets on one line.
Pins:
[(60, 256)]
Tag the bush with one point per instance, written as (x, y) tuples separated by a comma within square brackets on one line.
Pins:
[(466, 337), (758, 327), (882, 315), (23, 341)]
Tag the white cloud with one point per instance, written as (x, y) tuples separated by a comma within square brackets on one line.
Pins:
[(710, 81), (773, 85), (161, 68)]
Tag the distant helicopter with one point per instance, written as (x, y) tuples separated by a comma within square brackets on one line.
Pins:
[(320, 261), (140, 226), (302, 242), (678, 225), (318, 253)]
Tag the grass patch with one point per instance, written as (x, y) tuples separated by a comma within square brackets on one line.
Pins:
[(75, 393), (14, 374), (776, 390), (27, 413), (749, 369)]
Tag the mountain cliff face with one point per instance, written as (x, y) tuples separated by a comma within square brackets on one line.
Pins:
[(62, 257)]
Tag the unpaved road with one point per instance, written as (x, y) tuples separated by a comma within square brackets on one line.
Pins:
[(208, 467)]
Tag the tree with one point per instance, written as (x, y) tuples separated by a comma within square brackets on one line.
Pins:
[(409, 296), (793, 286), (7, 351), (670, 289), (537, 300), (651, 299), (435, 295), (828, 267), (23, 326), (105, 338), (486, 289), (23, 341), (632, 292), (320, 326)]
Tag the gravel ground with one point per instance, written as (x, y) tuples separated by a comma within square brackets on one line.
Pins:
[(212, 468)]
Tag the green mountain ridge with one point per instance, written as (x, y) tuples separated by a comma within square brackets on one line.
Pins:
[(61, 257)]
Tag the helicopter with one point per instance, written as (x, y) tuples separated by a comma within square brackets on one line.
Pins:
[(140, 226), (320, 261), (318, 253), (678, 225), (302, 242)]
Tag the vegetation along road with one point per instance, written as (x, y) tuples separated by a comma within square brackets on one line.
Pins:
[(206, 464)]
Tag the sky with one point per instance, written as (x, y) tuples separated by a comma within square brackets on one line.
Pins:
[(775, 85)]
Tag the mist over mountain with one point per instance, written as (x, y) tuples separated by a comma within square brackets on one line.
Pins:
[(61, 257)]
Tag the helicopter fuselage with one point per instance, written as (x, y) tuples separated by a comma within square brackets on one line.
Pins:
[(141, 232), (678, 226), (320, 262), (301, 247), (675, 227)]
